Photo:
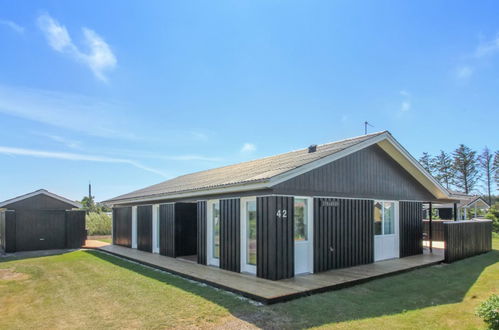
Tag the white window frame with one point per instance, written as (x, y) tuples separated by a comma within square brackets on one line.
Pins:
[(209, 232), (155, 228), (134, 227), (396, 219), (245, 267), (310, 233)]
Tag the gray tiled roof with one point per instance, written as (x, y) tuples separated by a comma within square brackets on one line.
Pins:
[(253, 171)]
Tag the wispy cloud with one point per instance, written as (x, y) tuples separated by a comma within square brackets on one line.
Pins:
[(406, 103), (60, 139), (405, 106), (70, 111), (488, 47), (99, 57), (14, 26), (248, 148), (76, 157), (464, 72)]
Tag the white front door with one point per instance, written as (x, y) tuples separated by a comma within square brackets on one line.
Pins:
[(386, 230), (248, 235), (155, 228), (303, 235), (213, 232)]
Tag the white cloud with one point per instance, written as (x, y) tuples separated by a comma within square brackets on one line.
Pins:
[(248, 148), (487, 48), (405, 106), (464, 72), (70, 111), (65, 141), (405, 93), (15, 27), (76, 157), (99, 57)]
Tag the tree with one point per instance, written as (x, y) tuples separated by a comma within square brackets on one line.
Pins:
[(427, 162), (496, 168), (88, 203), (486, 162), (465, 167), (444, 171)]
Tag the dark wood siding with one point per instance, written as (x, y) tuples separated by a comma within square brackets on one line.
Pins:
[(8, 231), (437, 229), (368, 173), (275, 237), (411, 228), (467, 238), (202, 224), (40, 230), (230, 235), (144, 228), (39, 202), (343, 233), (167, 230), (185, 229), (76, 233), (122, 226)]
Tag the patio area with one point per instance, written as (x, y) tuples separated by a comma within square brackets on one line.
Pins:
[(269, 292)]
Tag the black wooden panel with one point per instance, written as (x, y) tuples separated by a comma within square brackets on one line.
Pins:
[(40, 230), (437, 229), (185, 229), (275, 237), (8, 231), (411, 228), (367, 173), (39, 202), (343, 233), (467, 238), (202, 223), (230, 234), (76, 233), (167, 230), (445, 213), (122, 226), (144, 228)]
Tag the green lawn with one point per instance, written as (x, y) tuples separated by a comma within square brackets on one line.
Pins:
[(88, 289)]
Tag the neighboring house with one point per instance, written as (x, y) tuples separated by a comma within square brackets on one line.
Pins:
[(468, 207), (40, 220), (334, 205)]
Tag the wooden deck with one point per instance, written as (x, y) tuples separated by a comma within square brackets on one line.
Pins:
[(267, 291)]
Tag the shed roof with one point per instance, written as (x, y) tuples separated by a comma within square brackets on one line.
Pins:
[(38, 192), (271, 170)]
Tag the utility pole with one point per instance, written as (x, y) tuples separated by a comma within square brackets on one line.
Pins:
[(365, 127), (89, 190)]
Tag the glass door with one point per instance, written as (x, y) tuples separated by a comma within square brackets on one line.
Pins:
[(303, 235), (248, 235), (386, 239), (213, 232)]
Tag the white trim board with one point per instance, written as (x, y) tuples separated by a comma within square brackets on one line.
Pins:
[(40, 192)]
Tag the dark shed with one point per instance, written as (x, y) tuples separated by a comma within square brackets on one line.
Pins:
[(41, 220)]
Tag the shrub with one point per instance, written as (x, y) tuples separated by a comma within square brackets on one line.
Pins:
[(489, 311), (98, 224), (493, 215)]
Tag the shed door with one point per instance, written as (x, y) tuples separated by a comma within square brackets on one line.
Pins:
[(386, 230)]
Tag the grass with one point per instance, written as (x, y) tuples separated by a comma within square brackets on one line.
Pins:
[(89, 289)]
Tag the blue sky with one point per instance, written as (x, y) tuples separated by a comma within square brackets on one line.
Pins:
[(130, 93)]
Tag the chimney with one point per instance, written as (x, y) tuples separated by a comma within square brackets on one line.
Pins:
[(312, 148)]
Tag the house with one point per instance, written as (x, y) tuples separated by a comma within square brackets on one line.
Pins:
[(40, 220), (335, 205), (468, 206)]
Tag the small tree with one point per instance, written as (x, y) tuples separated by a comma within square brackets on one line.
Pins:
[(495, 168), (486, 162), (465, 167), (88, 204), (427, 162), (444, 172)]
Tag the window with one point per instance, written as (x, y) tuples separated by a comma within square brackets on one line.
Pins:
[(384, 218), (301, 219), (251, 232), (216, 230)]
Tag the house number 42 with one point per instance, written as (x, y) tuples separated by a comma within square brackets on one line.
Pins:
[(282, 213)]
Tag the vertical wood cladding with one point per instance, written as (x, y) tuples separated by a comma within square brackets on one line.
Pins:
[(343, 233), (144, 228), (8, 231), (122, 226), (167, 230), (437, 229), (185, 229), (75, 229), (275, 237), (467, 238), (202, 233), (230, 234), (410, 228), (367, 173), (40, 230)]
